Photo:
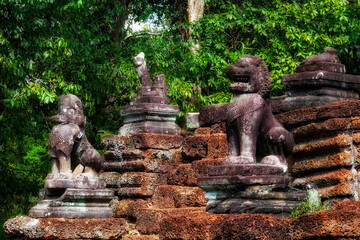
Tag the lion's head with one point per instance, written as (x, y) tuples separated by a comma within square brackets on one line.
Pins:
[(70, 111), (250, 75)]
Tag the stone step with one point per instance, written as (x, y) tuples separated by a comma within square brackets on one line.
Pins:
[(187, 174), (170, 196), (331, 184), (222, 226), (148, 219), (340, 159), (65, 228), (205, 146), (149, 160), (133, 184), (322, 147), (318, 130)]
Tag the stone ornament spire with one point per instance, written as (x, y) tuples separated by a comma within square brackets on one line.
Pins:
[(149, 111)]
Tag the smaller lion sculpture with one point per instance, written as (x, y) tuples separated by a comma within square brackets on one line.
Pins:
[(68, 146), (249, 115)]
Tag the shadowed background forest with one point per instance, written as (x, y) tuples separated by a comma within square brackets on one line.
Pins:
[(49, 48)]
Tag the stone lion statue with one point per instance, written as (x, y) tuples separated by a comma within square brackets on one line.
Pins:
[(68, 146), (249, 115)]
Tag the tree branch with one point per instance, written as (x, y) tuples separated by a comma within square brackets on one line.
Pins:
[(140, 34)]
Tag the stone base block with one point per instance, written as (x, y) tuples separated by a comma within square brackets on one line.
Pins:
[(332, 224), (84, 183), (75, 203), (61, 228), (133, 184), (277, 200), (187, 174), (278, 208), (169, 196), (338, 182), (203, 226), (150, 127), (234, 182), (147, 221), (245, 170)]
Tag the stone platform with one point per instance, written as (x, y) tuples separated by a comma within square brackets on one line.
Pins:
[(61, 228), (75, 203), (249, 188)]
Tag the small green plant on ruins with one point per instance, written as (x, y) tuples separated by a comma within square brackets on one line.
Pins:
[(312, 203)]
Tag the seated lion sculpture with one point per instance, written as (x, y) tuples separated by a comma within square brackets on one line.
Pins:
[(68, 146), (249, 115)]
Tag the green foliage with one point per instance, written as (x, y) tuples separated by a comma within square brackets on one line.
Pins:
[(312, 203)]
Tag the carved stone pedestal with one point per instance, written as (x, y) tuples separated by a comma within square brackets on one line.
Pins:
[(249, 188), (62, 199), (149, 118)]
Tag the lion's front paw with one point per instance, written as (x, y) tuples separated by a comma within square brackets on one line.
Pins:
[(274, 160)]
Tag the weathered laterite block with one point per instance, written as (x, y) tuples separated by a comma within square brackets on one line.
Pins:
[(169, 196), (187, 174), (147, 221), (205, 226), (333, 224), (155, 141), (327, 146), (299, 117), (339, 182), (129, 207), (323, 129), (133, 184), (341, 159), (64, 228), (205, 146)]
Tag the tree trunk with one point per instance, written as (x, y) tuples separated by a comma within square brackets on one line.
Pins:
[(195, 11)]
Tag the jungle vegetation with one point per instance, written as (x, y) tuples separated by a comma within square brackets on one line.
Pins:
[(49, 48)]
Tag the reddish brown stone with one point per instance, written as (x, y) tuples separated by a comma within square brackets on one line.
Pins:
[(222, 227), (187, 174), (183, 175), (156, 141), (326, 146), (200, 226), (318, 130), (113, 142), (304, 116), (336, 160), (135, 235), (195, 147), (355, 121), (64, 228), (347, 205), (356, 138), (201, 168), (331, 184), (129, 207), (205, 146), (333, 224), (133, 184), (147, 221), (217, 146), (203, 131), (168, 196)]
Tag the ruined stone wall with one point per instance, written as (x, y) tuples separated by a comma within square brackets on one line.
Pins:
[(327, 148), (154, 176)]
